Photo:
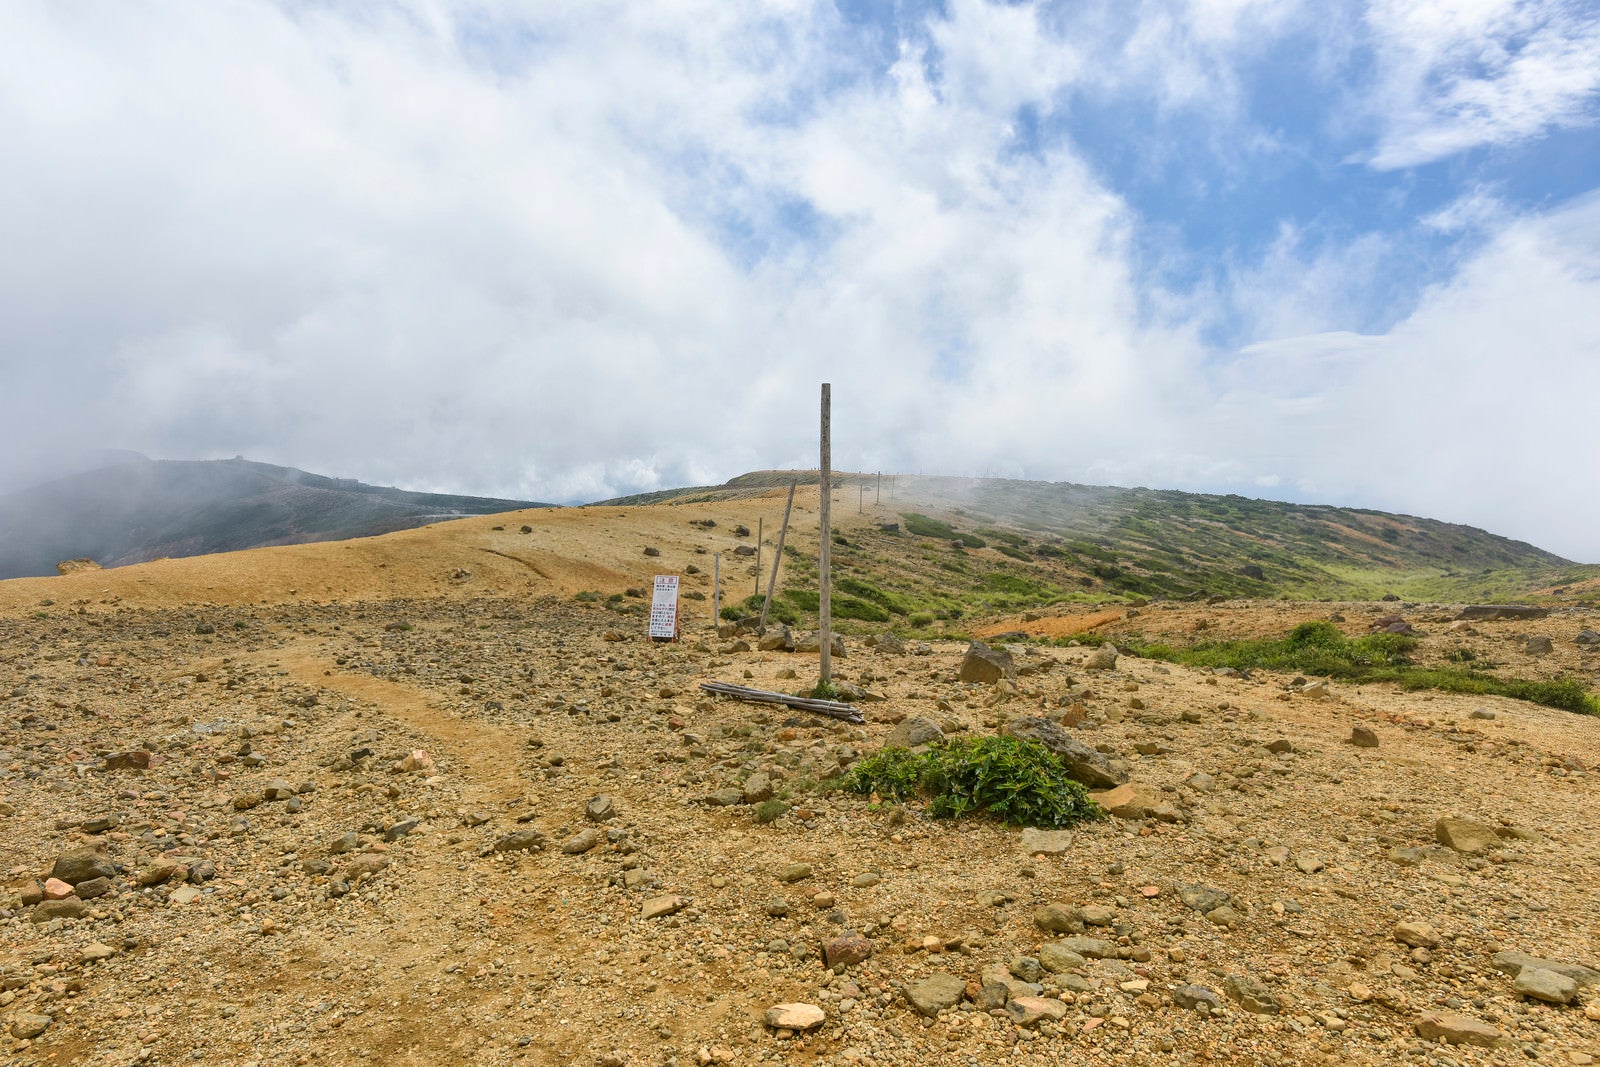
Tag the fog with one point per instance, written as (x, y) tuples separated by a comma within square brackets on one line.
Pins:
[(612, 248)]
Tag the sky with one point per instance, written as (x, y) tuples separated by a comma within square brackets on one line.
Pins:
[(1323, 251)]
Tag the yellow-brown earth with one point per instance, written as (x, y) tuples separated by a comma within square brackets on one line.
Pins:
[(493, 701)]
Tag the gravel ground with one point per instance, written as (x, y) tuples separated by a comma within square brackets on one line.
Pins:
[(369, 831)]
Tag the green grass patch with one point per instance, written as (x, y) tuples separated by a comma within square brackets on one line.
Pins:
[(1320, 648), (923, 526), (1016, 781)]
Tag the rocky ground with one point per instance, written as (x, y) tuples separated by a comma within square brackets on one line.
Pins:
[(492, 829)]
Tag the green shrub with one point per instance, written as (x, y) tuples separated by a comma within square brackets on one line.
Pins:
[(923, 526), (1016, 781)]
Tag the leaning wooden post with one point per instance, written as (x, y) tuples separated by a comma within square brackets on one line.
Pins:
[(825, 556), (777, 556), (716, 590)]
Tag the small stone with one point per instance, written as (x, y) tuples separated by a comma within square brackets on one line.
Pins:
[(1417, 935), (1031, 1011), (95, 951), (56, 889), (94, 887), (1467, 836), (582, 841), (1545, 985), (1251, 995), (797, 1017), (349, 841), (278, 789), (401, 829), (1058, 919), (520, 841), (1363, 737), (71, 908), (185, 894), (1056, 958), (1192, 996), (83, 864), (600, 809), (1202, 898), (1457, 1029), (847, 949), (658, 907), (26, 1026), (795, 872), (936, 993)]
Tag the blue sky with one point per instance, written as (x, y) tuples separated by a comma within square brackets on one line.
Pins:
[(1334, 252)]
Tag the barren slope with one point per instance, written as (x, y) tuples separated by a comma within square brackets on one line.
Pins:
[(338, 736)]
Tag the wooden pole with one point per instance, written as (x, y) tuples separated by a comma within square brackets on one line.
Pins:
[(777, 556), (861, 499), (757, 589), (878, 491), (825, 556), (716, 590)]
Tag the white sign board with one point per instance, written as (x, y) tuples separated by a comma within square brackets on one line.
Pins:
[(664, 607)]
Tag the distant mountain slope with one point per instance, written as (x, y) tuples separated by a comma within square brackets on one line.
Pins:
[(1144, 542), (147, 509)]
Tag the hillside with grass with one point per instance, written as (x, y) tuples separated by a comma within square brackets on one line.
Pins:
[(918, 550)]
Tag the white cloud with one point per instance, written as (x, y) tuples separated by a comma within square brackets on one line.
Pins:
[(1458, 74), (602, 248), (1472, 409)]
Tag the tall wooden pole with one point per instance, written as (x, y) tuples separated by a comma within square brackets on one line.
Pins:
[(777, 556), (825, 556), (757, 589), (716, 590)]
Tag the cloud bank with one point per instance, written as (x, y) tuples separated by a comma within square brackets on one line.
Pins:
[(571, 252)]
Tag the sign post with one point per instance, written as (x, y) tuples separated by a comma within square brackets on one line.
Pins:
[(664, 608)]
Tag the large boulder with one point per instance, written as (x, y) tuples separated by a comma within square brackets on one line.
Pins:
[(1083, 763), (986, 665)]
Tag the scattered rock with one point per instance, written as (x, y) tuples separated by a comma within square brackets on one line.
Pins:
[(1193, 996), (1031, 1011), (600, 809), (1251, 995), (936, 993), (797, 1017), (1036, 842), (1540, 984), (847, 949), (986, 665), (1135, 800), (914, 732), (1513, 963), (1538, 645), (83, 864), (520, 841), (1103, 658), (582, 841), (1363, 737), (1457, 1029), (25, 1025), (658, 907), (1083, 764), (1467, 836)]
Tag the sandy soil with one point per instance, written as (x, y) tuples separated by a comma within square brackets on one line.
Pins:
[(338, 737)]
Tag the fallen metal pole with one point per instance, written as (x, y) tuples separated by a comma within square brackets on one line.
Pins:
[(831, 708)]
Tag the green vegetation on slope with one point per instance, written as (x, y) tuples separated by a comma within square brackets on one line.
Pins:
[(1319, 648)]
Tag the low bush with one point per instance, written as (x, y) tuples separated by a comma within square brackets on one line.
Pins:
[(1016, 781)]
